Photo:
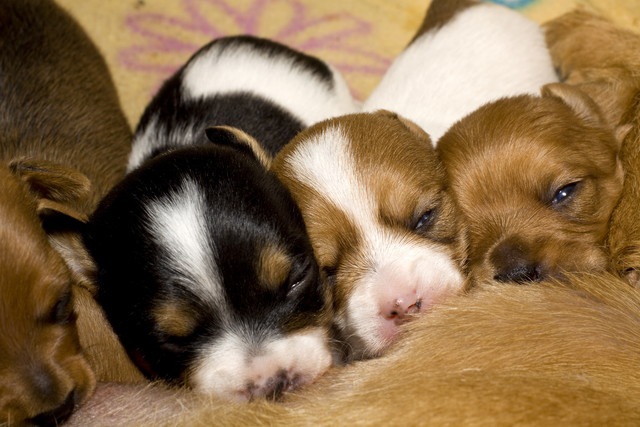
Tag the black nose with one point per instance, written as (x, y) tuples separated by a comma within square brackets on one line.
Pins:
[(56, 416), (513, 261)]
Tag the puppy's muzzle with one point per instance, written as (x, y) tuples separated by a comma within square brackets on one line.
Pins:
[(57, 416), (513, 261)]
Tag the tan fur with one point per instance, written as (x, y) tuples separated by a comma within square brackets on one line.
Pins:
[(175, 319), (66, 140), (505, 163), (503, 355), (274, 265), (604, 61)]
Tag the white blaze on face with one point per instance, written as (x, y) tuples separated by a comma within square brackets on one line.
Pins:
[(391, 265), (236, 369), (178, 225)]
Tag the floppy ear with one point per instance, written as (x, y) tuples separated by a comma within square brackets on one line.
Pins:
[(56, 189), (234, 137), (420, 133), (584, 107), (580, 102)]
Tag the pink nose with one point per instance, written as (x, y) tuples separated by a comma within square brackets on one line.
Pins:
[(401, 308)]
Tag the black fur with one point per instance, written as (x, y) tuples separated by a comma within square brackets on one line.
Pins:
[(247, 207)]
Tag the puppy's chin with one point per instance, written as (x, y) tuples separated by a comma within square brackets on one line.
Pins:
[(237, 370), (405, 280)]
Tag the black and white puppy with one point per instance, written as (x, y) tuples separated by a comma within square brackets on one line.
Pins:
[(204, 265), (268, 90)]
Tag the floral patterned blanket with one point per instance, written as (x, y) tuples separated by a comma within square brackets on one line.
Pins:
[(145, 41)]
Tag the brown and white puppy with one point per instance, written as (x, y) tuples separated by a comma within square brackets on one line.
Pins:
[(371, 192), (58, 112), (603, 60), (466, 53), (503, 355), (535, 180)]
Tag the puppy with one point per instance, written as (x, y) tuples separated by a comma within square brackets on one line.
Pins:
[(465, 54), (266, 89), (535, 180), (371, 192), (213, 282), (64, 141), (554, 354), (608, 72)]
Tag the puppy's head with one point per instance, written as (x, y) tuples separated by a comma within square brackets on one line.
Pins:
[(43, 374), (372, 194), (207, 275), (536, 180)]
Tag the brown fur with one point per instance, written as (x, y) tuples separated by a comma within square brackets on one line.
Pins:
[(440, 12), (66, 141), (507, 161), (503, 355), (604, 61), (394, 161)]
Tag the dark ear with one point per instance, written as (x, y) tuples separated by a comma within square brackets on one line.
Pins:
[(234, 137)]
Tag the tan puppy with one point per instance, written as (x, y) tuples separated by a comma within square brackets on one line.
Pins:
[(536, 180), (504, 355), (370, 189), (58, 111), (604, 61)]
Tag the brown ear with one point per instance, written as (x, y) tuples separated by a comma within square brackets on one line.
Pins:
[(56, 188), (409, 124), (231, 136), (49, 180), (581, 103)]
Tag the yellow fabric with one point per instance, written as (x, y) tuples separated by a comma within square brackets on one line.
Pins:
[(145, 41)]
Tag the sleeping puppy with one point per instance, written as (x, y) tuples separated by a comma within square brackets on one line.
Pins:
[(535, 180), (266, 89), (603, 60), (205, 269), (465, 54), (371, 192), (63, 142)]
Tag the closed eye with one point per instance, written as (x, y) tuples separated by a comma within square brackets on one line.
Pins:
[(62, 312), (564, 193), (425, 220), (299, 278)]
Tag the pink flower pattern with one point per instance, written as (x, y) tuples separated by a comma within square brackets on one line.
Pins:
[(162, 42)]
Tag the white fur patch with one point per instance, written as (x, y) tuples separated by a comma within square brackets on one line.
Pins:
[(276, 78), (388, 258), (485, 53), (177, 223), (237, 366)]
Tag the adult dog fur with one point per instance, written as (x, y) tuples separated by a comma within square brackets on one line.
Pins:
[(58, 111), (505, 354)]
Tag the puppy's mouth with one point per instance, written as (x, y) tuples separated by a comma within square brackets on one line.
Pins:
[(57, 416)]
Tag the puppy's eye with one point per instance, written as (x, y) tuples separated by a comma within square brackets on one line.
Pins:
[(564, 193), (300, 276), (62, 312), (425, 220)]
